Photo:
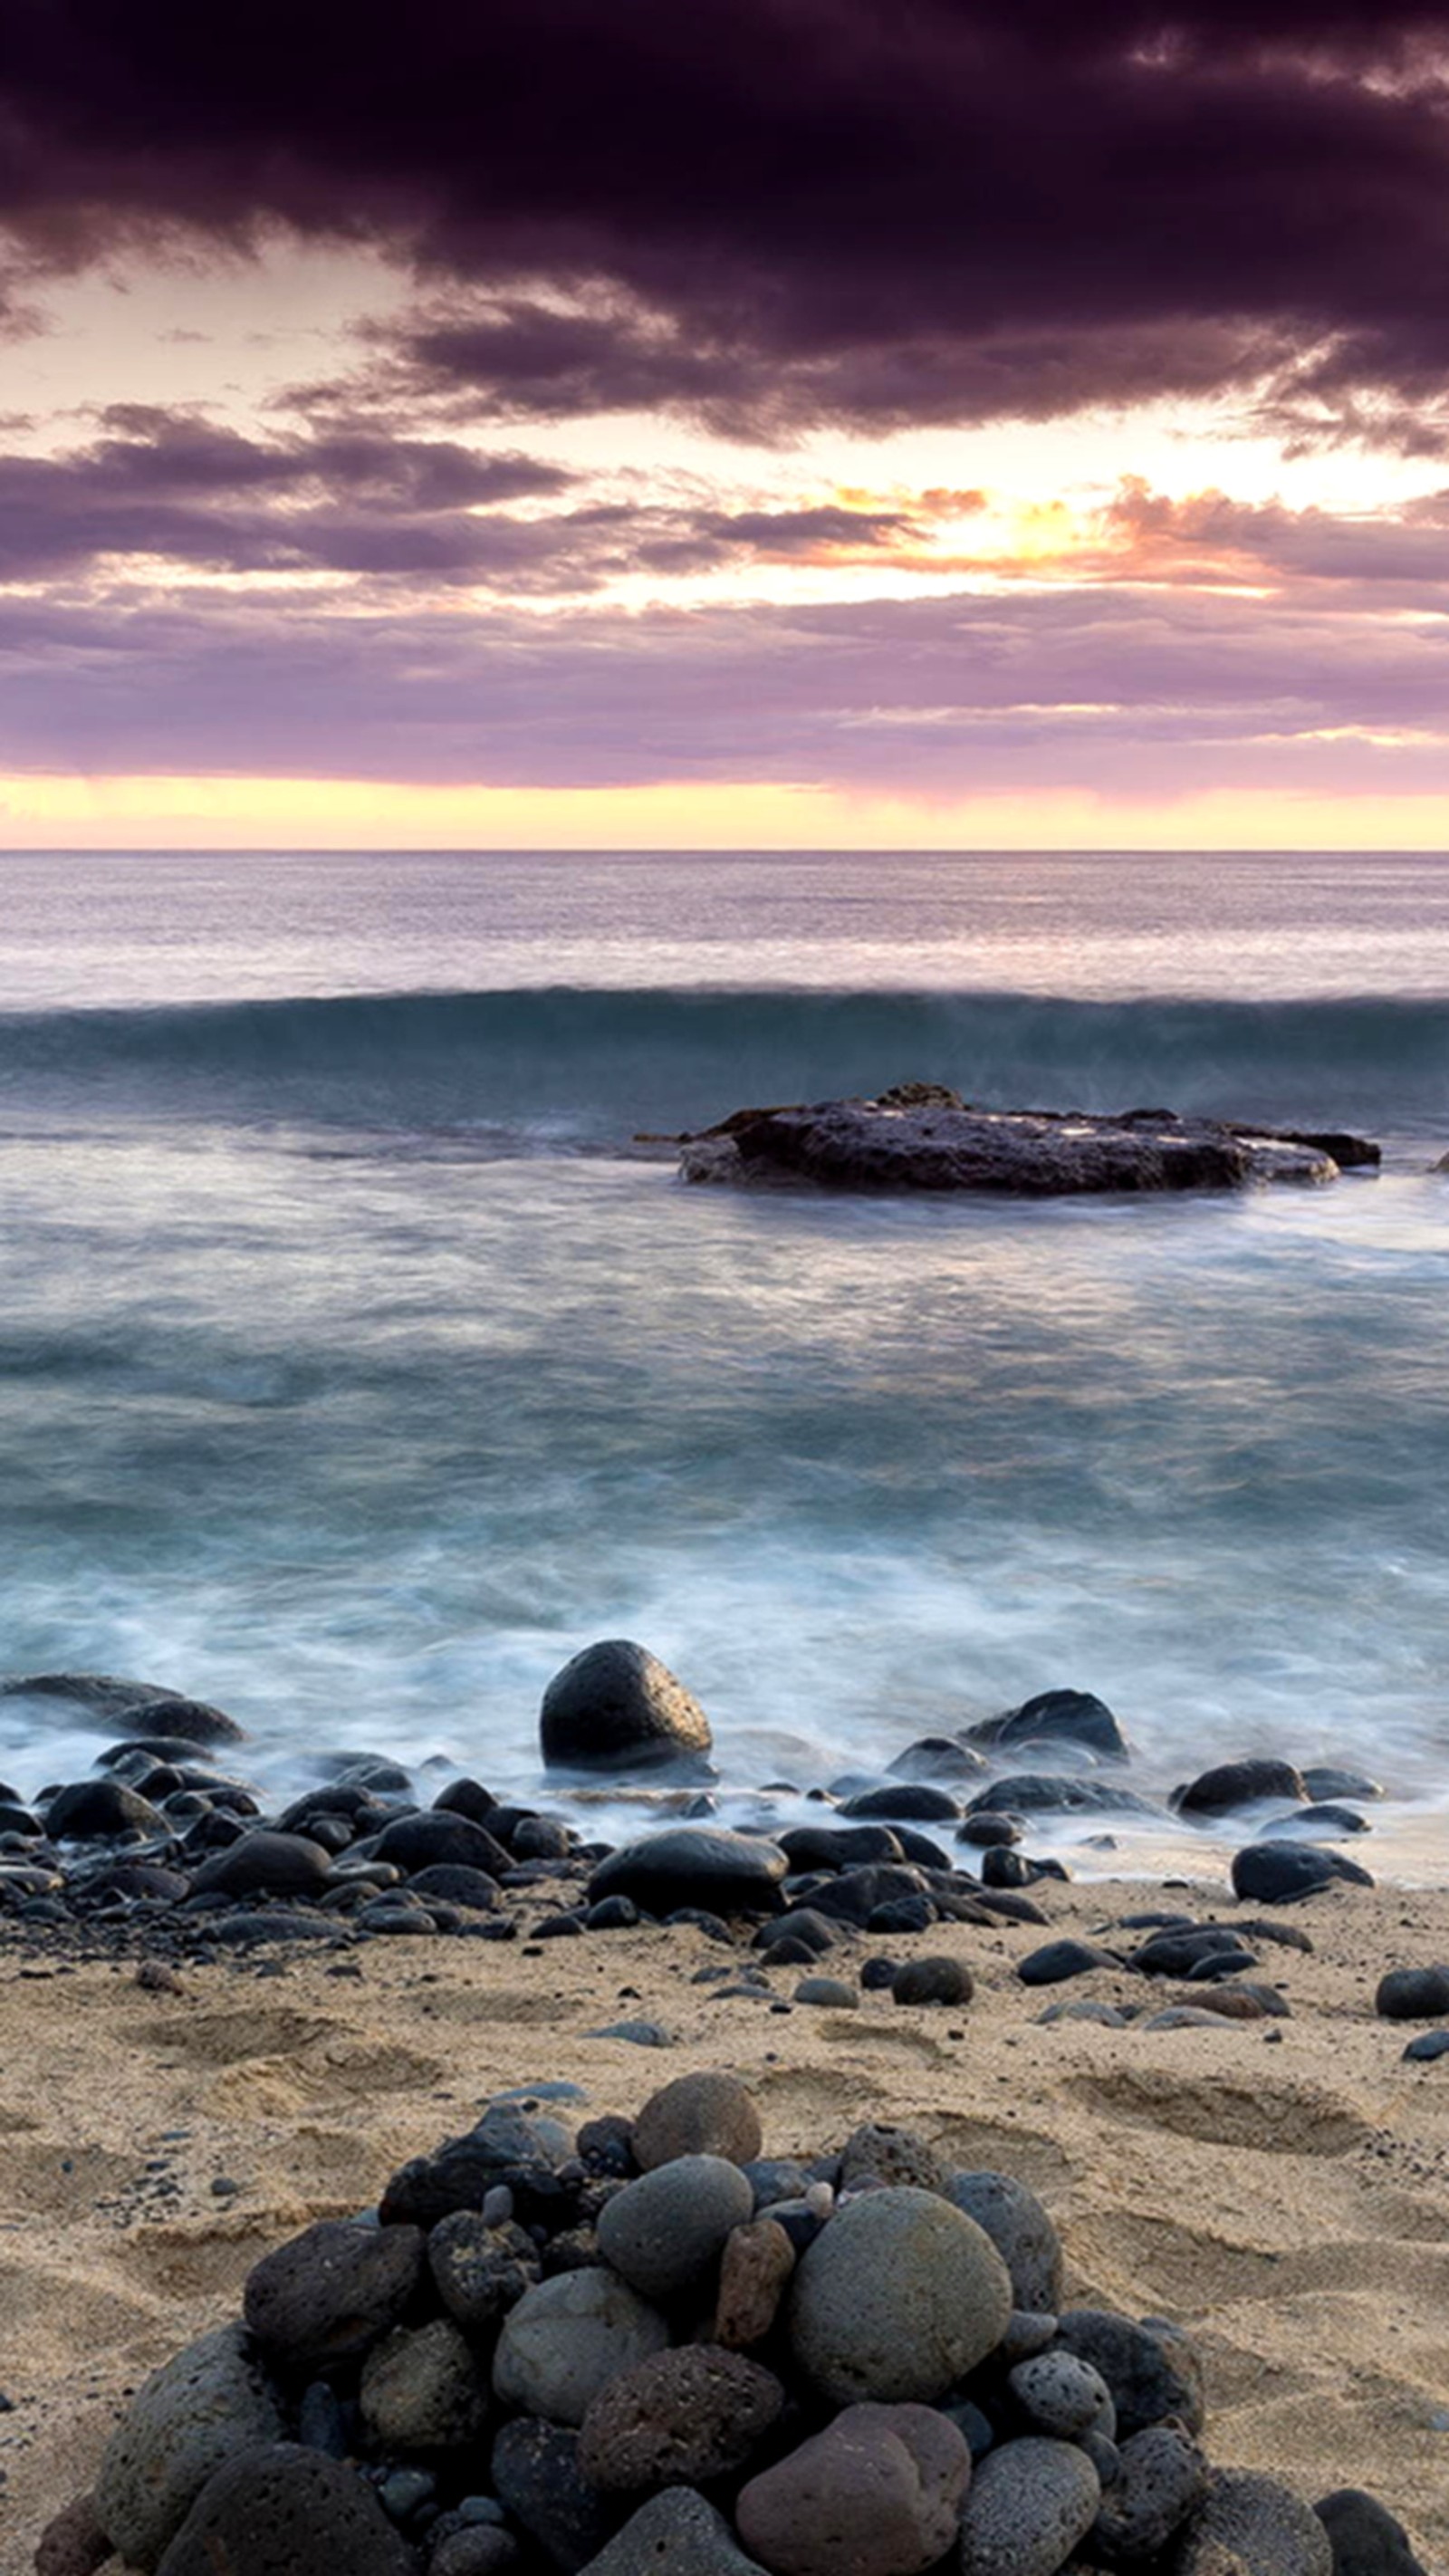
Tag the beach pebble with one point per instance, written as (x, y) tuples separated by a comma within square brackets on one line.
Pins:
[(421, 2390), (332, 2291), (1055, 1961), (1254, 2526), (264, 1864), (1240, 1784), (1328, 1780), (1280, 1873), (439, 1839), (682, 2418), (1084, 2008), (1413, 1994), (481, 2550), (1429, 2045), (480, 2270), (773, 2178), (1028, 2332), (897, 2298), (665, 2231), (988, 1831), (94, 1810), (1161, 2476), (73, 2543), (932, 1981), (830, 1993), (284, 2511), (455, 1883), (535, 2471), (813, 1931), (757, 2262), (880, 2152), (938, 1757), (1063, 2395), (838, 1847), (1022, 2231), (567, 2337), (678, 2534), (1151, 2369), (208, 2401), (920, 1801), (863, 1892), (878, 2493), (616, 1707), (697, 2115), (1028, 2505), (1364, 2536), (694, 1865)]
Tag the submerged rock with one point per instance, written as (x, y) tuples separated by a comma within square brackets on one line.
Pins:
[(614, 1707), (899, 1142)]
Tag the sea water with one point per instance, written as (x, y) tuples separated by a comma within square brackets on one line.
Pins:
[(358, 1366)]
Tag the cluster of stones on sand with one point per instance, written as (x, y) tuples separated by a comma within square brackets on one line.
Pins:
[(645, 2346)]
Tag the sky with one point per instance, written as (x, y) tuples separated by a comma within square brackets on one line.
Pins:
[(814, 423)]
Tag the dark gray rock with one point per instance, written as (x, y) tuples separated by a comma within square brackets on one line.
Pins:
[(95, 1810), (208, 2402), (664, 2233), (898, 2297), (1364, 2536), (1413, 1994), (458, 2174), (831, 1994), (878, 2492), (616, 1707), (676, 2534), (1063, 1792), (1151, 2369), (1430, 2045), (880, 2151), (439, 1839), (285, 2511), (938, 1757), (1055, 1961), (479, 2272), (144, 1706), (421, 2390), (1161, 2477), (876, 1145), (859, 1894), (536, 2474), (482, 2550), (691, 1865), (264, 1864), (1028, 2505), (1284, 1873), (454, 1883), (919, 1800), (1329, 1780), (1254, 2525), (1063, 2395), (1060, 1716), (331, 2292), (989, 1831), (933, 1981), (567, 2337), (1240, 1784), (1022, 2231), (839, 1846), (682, 2418)]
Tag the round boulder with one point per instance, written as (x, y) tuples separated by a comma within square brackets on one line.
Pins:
[(1022, 2231), (421, 2390), (697, 2115), (616, 1707), (897, 2298), (1413, 1994), (332, 2291), (1029, 2505), (878, 2493), (663, 2233), (567, 2337), (692, 1865)]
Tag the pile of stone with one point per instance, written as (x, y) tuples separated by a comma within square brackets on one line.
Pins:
[(648, 2347)]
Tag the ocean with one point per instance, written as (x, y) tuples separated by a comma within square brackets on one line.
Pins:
[(358, 1367)]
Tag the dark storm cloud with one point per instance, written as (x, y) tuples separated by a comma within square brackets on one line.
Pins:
[(1137, 693), (767, 211)]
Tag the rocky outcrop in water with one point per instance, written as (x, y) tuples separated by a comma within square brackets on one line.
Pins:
[(921, 1136)]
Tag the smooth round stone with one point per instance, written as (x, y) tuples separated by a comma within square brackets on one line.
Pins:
[(329, 2293), (878, 2493), (263, 1864), (664, 2232), (693, 1865), (1364, 2536), (480, 2271), (681, 2418), (438, 1839), (615, 1706), (920, 1801), (1028, 2505), (285, 2511), (697, 2115), (831, 1994), (94, 1810), (1257, 2527), (1327, 1780), (1413, 1994), (421, 2390), (1022, 2231), (1429, 2045), (899, 2296), (1072, 1717), (208, 2401), (933, 1981), (569, 2336), (1161, 2476), (1240, 1784), (1063, 2395), (1152, 2369), (1284, 1873), (674, 2534), (1055, 1961)]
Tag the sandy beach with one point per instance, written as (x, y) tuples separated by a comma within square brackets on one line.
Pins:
[(1277, 2187)]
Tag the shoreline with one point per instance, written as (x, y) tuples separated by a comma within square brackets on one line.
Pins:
[(1289, 2207)]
